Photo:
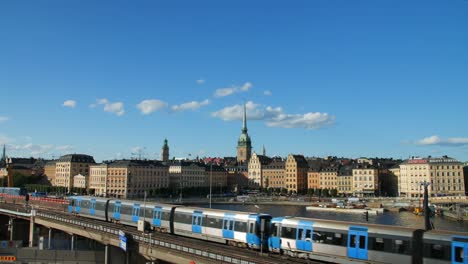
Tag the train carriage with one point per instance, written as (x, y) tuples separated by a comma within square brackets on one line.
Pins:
[(124, 211), (158, 216), (445, 247), (235, 228), (92, 207), (336, 241)]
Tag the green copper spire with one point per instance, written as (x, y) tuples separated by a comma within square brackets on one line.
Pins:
[(244, 123)]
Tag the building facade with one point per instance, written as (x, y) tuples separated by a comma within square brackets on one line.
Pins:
[(255, 167), (186, 174), (50, 171), (328, 178), (444, 174), (296, 173), (313, 179), (131, 178), (274, 175), (70, 165), (365, 181), (98, 179)]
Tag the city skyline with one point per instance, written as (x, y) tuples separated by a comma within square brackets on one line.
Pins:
[(113, 80)]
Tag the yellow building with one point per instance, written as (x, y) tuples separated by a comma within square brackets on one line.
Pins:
[(98, 179), (70, 165), (345, 181), (274, 175), (313, 179), (187, 174), (255, 169), (131, 178), (328, 178), (50, 171), (365, 181), (296, 173), (444, 174)]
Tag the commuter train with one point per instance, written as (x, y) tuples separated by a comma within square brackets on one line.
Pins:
[(325, 240), (233, 228)]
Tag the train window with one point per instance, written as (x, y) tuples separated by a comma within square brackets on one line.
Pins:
[(213, 222), (353, 241), (126, 209), (402, 247), (274, 230), (252, 228), (288, 232), (437, 251), (362, 242), (299, 234), (308, 235), (376, 243), (166, 216), (240, 226), (459, 254)]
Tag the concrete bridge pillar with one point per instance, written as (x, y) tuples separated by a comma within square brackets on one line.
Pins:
[(10, 227), (31, 228), (50, 239), (72, 242), (106, 255)]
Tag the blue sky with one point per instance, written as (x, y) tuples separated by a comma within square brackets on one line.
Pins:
[(322, 77)]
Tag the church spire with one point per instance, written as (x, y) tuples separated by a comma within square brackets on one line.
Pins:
[(244, 145), (263, 150)]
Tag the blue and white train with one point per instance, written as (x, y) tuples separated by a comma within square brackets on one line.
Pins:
[(233, 228), (326, 240)]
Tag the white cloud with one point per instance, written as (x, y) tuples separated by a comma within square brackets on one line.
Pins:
[(267, 92), (115, 108), (246, 86), (429, 141), (149, 106), (222, 92), (193, 105), (308, 120), (4, 119), (69, 103), (35, 149), (200, 81), (275, 116), (436, 140)]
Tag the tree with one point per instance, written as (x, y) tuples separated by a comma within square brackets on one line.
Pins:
[(333, 192)]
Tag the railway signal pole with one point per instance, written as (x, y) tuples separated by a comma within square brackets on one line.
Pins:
[(427, 220)]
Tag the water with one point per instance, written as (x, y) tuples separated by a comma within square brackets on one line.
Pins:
[(406, 219)]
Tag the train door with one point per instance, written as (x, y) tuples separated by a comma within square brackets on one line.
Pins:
[(274, 241), (252, 237), (357, 242), (92, 207), (71, 203), (117, 207), (304, 236), (157, 215), (460, 250), (135, 213), (197, 218), (228, 226), (78, 205)]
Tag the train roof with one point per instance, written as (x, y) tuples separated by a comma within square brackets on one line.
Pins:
[(342, 225), (219, 212)]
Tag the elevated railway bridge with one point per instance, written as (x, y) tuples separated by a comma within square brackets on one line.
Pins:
[(153, 247)]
